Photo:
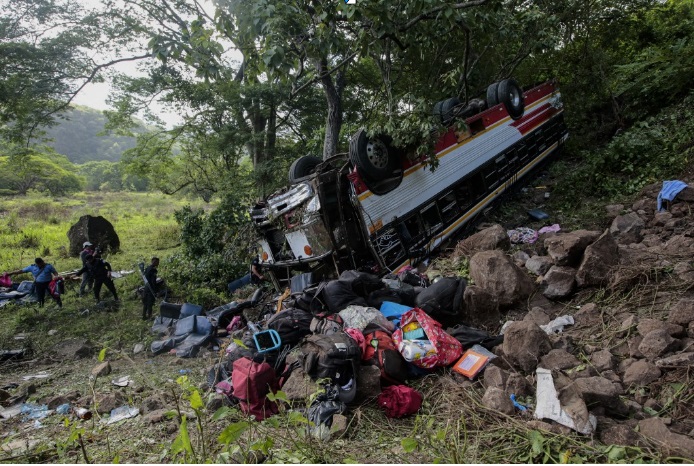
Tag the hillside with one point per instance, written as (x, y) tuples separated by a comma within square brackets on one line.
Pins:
[(78, 136)]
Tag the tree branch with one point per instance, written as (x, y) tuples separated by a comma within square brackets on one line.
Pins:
[(428, 14)]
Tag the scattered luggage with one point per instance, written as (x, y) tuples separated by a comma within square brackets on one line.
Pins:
[(382, 352), (251, 382), (435, 348), (399, 401), (292, 325), (443, 300)]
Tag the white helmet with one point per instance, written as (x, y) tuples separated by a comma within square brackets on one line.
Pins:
[(87, 243)]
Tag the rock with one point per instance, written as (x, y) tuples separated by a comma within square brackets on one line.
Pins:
[(619, 434), (96, 230), (686, 195), (660, 219), (603, 360), (369, 386), (152, 403), (57, 400), (102, 369), (677, 360), (155, 417), (524, 344), (539, 265), (496, 273), (673, 444), (626, 229), (481, 307), (339, 426), (520, 258), (657, 343), (646, 326), (299, 386), (546, 426), (559, 282), (497, 400), (652, 405), (588, 315), (215, 402), (598, 260), (107, 403), (611, 376), (248, 457), (518, 385), (494, 237), (567, 248), (52, 332), (494, 377), (641, 373), (73, 349), (139, 348), (537, 315), (683, 312), (628, 324), (633, 344), (614, 209), (558, 359), (598, 390)]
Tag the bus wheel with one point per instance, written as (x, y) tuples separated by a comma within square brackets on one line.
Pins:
[(302, 167), (445, 110), (511, 95), (374, 156), (492, 99)]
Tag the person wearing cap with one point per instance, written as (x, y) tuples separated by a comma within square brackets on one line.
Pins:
[(87, 279), (43, 274), (100, 270), (150, 293)]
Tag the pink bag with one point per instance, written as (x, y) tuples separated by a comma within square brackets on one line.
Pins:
[(5, 281), (447, 349)]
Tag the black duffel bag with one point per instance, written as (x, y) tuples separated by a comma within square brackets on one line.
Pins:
[(443, 300)]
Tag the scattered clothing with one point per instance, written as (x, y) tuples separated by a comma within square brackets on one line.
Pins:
[(550, 229), (399, 400), (522, 235), (669, 191)]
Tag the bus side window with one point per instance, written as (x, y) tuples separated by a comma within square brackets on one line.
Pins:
[(431, 218)]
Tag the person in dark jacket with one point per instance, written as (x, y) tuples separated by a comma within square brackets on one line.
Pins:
[(87, 279), (43, 274), (101, 272), (150, 292)]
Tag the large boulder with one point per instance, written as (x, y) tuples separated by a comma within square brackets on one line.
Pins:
[(627, 228), (494, 237), (657, 343), (683, 312), (559, 282), (641, 373), (496, 273), (539, 265), (96, 230), (567, 248), (598, 259), (75, 348), (481, 307), (524, 344), (654, 428)]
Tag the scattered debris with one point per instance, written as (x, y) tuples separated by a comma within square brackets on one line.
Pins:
[(40, 375), (557, 325), (549, 407), (34, 411), (121, 414), (122, 381)]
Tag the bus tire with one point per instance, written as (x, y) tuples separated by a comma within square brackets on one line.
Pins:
[(302, 167), (374, 157), (492, 96), (445, 110), (511, 95)]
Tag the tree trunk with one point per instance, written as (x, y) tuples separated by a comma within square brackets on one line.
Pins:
[(333, 96)]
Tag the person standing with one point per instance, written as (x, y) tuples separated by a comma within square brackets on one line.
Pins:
[(150, 293), (43, 274), (101, 272), (87, 279)]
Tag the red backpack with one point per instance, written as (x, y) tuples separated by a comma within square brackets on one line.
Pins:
[(382, 352), (251, 382)]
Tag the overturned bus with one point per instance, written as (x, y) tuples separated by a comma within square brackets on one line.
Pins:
[(379, 208)]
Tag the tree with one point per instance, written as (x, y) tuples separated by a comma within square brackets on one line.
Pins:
[(46, 58), (47, 171)]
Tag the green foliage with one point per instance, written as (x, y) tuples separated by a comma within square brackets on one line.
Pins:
[(657, 148), (47, 171)]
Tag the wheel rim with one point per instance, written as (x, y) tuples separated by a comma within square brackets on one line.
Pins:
[(377, 153), (515, 97)]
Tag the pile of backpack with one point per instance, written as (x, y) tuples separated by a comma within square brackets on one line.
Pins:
[(394, 323)]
